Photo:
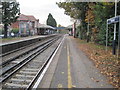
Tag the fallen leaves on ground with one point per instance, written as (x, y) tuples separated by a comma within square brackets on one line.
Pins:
[(107, 63)]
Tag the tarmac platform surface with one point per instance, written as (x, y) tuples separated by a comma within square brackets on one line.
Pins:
[(71, 68)]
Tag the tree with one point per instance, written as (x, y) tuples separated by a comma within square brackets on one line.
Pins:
[(103, 11), (10, 13), (0, 12), (51, 21), (94, 13), (76, 10)]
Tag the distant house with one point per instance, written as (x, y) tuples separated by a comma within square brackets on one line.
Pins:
[(26, 24)]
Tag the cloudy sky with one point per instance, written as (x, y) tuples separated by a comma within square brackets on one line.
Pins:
[(41, 8)]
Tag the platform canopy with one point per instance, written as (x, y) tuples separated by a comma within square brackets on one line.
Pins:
[(8, 0), (45, 26), (69, 27), (60, 28)]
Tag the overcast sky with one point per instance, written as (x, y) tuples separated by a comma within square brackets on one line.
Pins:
[(41, 8)]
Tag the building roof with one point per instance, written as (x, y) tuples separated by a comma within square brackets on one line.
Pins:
[(23, 17), (31, 18), (69, 27)]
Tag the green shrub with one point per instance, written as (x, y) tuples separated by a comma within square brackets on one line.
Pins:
[(15, 30)]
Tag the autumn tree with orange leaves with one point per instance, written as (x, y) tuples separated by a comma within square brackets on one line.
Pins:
[(96, 14)]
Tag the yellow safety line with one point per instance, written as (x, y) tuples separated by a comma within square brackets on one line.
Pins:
[(69, 71), (60, 86)]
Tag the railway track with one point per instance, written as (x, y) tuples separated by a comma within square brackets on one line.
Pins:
[(11, 64), (26, 46), (25, 69), (15, 61), (19, 52)]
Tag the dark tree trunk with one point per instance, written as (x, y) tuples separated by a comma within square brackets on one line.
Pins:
[(5, 30), (5, 24)]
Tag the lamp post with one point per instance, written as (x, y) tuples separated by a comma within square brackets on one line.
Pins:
[(107, 36), (114, 41), (119, 39)]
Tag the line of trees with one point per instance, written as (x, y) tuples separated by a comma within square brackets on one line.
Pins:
[(95, 14)]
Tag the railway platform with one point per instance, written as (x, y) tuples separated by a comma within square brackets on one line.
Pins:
[(3, 42), (71, 68), (14, 44)]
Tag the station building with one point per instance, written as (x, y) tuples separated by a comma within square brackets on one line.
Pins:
[(26, 25)]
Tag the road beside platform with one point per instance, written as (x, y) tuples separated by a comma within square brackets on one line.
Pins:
[(71, 68)]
